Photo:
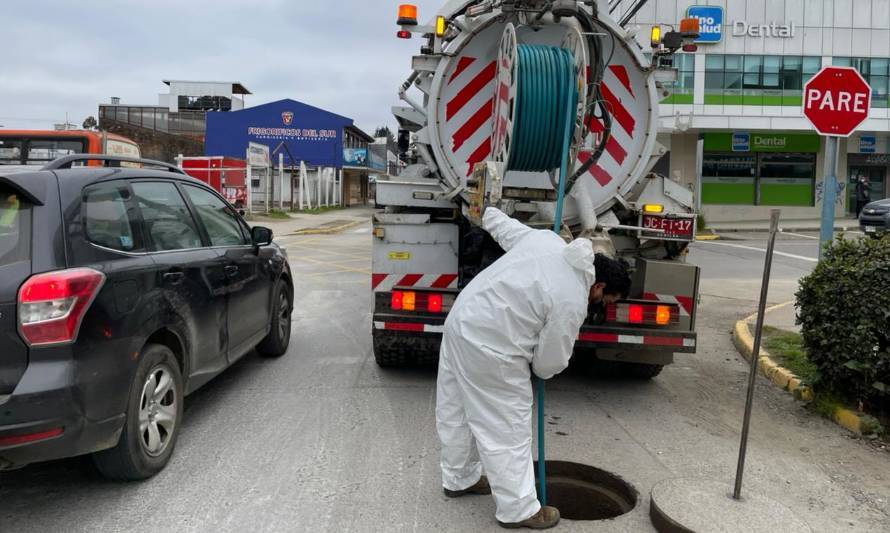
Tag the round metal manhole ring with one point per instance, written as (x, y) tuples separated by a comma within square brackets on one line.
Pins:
[(583, 492)]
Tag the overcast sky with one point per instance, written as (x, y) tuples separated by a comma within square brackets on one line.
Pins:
[(65, 56)]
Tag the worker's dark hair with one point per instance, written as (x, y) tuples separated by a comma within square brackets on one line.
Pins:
[(614, 273)]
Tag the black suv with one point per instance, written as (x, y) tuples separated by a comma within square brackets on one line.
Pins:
[(121, 291), (875, 217)]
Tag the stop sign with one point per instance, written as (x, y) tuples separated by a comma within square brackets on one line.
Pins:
[(836, 100)]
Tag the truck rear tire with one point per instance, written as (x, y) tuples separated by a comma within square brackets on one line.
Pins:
[(398, 351)]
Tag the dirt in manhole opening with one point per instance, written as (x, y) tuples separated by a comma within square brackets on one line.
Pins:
[(583, 492)]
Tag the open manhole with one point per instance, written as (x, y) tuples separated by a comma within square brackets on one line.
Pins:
[(583, 492)]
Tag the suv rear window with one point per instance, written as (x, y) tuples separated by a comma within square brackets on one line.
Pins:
[(15, 227)]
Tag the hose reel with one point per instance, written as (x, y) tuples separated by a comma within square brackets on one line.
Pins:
[(540, 98)]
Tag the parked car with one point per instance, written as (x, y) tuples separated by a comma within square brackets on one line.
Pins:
[(122, 290), (875, 217)]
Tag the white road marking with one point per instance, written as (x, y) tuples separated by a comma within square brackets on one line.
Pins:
[(763, 250), (362, 230), (799, 235)]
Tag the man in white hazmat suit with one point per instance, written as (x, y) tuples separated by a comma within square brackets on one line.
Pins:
[(525, 309)]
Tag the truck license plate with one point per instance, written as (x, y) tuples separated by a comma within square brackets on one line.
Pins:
[(674, 228)]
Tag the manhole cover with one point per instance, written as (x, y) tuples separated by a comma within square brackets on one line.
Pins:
[(583, 492)]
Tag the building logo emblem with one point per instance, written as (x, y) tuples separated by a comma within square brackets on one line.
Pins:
[(710, 22), (287, 118), (741, 141)]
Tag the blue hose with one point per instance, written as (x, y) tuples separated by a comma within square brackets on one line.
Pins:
[(544, 122)]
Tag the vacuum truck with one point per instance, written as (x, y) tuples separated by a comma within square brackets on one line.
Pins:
[(470, 107)]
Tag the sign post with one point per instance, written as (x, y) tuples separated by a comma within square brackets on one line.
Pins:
[(836, 101)]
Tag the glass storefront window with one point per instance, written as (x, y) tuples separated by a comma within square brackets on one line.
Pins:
[(683, 90), (757, 79), (728, 179), (786, 179), (875, 71)]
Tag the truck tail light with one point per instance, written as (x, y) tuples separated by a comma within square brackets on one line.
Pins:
[(647, 314), (434, 303), (420, 301), (409, 300), (52, 305)]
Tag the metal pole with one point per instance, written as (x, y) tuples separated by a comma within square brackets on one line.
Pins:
[(248, 187), (829, 194), (281, 181), (699, 163), (755, 355)]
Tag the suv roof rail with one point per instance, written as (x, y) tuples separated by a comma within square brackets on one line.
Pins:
[(66, 162)]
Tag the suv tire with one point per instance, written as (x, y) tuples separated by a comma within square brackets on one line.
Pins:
[(149, 435), (276, 342)]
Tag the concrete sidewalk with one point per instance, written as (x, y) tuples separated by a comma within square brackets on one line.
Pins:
[(302, 222), (840, 224), (782, 316)]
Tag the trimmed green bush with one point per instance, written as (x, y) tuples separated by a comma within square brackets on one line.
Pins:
[(843, 308)]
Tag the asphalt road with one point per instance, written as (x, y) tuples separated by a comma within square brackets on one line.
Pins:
[(323, 440)]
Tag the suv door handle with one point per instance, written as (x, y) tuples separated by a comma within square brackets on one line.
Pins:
[(232, 270), (174, 278)]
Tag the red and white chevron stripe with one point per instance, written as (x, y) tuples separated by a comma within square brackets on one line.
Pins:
[(468, 117), (468, 113), (685, 302), (616, 89), (647, 340), (386, 282)]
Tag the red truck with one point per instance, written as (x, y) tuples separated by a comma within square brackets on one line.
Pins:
[(225, 174)]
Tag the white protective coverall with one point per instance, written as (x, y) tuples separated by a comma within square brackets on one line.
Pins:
[(526, 308)]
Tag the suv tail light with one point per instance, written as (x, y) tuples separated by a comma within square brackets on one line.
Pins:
[(53, 304), (420, 301), (649, 314)]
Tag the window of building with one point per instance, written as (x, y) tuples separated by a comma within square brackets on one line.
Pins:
[(682, 90), (757, 79), (204, 103), (875, 72)]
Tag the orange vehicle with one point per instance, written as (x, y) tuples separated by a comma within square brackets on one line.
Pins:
[(39, 147)]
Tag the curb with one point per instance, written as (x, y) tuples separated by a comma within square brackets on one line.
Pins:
[(707, 237), (784, 378), (326, 231)]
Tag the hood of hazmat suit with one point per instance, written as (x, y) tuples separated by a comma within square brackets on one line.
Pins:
[(521, 314)]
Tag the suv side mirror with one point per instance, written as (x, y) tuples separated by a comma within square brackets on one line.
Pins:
[(261, 236)]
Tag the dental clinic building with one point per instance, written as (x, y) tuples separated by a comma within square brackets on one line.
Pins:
[(733, 119)]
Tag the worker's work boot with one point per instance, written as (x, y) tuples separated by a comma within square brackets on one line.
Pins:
[(546, 518), (481, 487)]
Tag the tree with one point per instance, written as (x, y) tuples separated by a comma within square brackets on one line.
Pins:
[(384, 131), (90, 123)]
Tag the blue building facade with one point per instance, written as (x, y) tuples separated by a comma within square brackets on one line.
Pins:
[(301, 132)]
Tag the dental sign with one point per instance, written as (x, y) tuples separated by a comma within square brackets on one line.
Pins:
[(740, 28), (836, 100), (710, 22)]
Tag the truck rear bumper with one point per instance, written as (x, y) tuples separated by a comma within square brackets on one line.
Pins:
[(590, 336), (637, 339)]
